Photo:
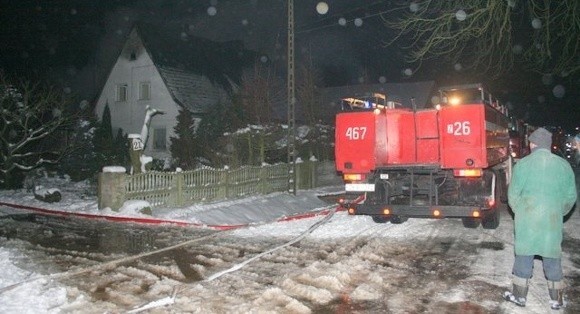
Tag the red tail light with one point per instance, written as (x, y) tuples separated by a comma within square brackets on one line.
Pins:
[(467, 172), (352, 177)]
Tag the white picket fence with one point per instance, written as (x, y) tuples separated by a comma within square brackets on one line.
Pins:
[(176, 189)]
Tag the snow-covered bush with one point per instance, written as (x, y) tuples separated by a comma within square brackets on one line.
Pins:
[(34, 119)]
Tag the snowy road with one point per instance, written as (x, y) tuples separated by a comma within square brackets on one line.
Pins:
[(347, 265)]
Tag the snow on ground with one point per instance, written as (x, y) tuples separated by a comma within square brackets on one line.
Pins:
[(493, 266)]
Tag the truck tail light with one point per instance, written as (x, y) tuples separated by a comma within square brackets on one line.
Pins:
[(352, 177), (467, 172)]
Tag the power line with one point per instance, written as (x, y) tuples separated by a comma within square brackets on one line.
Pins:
[(337, 16)]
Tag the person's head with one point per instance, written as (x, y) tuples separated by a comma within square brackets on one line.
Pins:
[(540, 138)]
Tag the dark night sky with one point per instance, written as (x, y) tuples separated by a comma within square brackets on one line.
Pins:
[(74, 42)]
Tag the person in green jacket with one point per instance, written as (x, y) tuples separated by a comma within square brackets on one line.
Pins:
[(541, 192)]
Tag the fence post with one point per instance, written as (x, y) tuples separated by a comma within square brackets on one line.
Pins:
[(179, 188), (306, 174), (313, 174), (135, 152), (263, 183), (226, 182), (111, 188), (302, 175)]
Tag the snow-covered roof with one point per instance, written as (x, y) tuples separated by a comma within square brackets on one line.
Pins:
[(197, 71), (192, 91)]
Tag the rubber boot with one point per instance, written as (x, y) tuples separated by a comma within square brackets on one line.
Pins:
[(519, 292), (555, 289)]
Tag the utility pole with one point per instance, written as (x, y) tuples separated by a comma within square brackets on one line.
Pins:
[(291, 103)]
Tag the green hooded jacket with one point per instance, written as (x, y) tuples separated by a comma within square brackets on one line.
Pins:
[(541, 192)]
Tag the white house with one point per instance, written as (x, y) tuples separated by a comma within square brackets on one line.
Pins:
[(168, 70)]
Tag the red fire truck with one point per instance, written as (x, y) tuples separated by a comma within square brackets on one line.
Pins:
[(451, 161)]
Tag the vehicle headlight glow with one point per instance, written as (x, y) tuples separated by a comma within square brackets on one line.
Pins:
[(454, 101)]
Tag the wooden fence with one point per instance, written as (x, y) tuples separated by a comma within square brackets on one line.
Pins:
[(177, 189)]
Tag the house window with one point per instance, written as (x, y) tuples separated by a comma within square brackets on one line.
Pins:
[(159, 139), (133, 56), (144, 91), (122, 92)]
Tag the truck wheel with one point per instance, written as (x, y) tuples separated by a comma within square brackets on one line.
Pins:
[(491, 221), (380, 219), (398, 219), (470, 223)]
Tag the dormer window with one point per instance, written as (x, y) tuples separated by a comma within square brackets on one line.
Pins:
[(133, 56)]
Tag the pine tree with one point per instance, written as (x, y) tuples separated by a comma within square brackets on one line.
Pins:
[(103, 140), (219, 119), (213, 125), (183, 144), (80, 162), (121, 148)]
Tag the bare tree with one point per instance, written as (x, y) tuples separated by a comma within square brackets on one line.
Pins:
[(309, 94), (261, 92), (315, 140), (30, 115), (492, 35)]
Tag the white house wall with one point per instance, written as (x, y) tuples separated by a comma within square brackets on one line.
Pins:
[(170, 88), (129, 115)]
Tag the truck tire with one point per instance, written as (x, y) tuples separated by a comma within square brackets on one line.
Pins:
[(470, 223), (491, 221), (398, 219), (380, 219)]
